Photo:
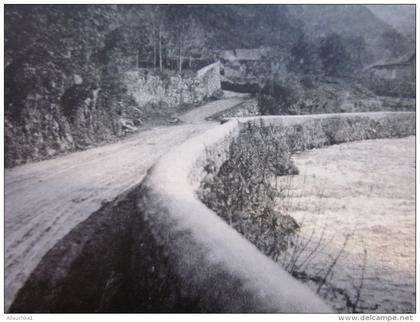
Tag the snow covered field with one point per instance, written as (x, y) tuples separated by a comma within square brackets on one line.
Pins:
[(367, 190)]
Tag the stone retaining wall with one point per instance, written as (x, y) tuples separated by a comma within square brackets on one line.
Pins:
[(168, 92), (217, 265), (160, 249)]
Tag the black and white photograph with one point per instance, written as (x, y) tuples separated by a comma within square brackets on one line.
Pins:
[(209, 158)]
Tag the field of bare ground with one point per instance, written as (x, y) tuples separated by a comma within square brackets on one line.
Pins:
[(365, 190)]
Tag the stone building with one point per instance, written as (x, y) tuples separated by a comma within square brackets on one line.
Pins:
[(241, 68), (404, 69), (243, 55)]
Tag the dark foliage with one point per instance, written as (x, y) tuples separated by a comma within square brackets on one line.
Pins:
[(277, 98), (304, 57), (242, 191), (333, 54), (402, 87)]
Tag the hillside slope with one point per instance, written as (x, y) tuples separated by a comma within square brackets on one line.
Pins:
[(348, 21), (64, 71)]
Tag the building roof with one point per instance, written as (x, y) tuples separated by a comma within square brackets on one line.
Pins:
[(405, 60), (243, 54)]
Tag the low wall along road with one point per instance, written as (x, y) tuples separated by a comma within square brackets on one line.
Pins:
[(157, 248)]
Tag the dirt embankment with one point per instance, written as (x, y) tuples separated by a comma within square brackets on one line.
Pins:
[(82, 115)]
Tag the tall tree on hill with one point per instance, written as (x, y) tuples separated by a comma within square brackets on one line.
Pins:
[(304, 57), (394, 43), (132, 39), (154, 16), (195, 40), (158, 23), (176, 23), (186, 33), (357, 52), (333, 55)]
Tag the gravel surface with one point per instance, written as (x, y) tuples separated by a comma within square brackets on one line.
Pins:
[(205, 111), (46, 200)]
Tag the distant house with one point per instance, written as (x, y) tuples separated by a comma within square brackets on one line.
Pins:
[(243, 55), (239, 63), (403, 68)]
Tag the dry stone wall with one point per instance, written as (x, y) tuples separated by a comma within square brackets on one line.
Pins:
[(84, 115), (159, 249), (168, 92)]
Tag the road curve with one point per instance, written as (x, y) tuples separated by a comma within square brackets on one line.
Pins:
[(45, 200)]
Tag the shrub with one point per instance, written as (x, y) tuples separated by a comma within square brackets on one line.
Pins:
[(390, 87), (243, 191), (277, 98)]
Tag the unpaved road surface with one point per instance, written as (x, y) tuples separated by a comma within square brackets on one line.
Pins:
[(46, 200), (200, 114), (365, 189)]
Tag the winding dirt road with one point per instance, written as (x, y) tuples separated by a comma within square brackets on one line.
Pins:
[(45, 200)]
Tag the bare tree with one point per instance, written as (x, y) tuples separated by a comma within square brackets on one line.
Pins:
[(155, 16)]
